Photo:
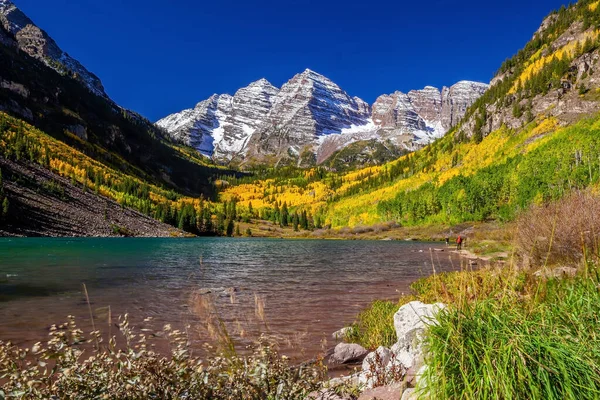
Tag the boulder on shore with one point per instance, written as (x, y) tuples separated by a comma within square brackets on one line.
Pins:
[(345, 353), (410, 323)]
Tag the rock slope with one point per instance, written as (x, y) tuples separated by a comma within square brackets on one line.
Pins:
[(222, 125), (310, 118), (45, 204)]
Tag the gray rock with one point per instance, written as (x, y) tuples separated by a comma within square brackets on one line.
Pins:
[(380, 358), (80, 131), (341, 334), (345, 353), (414, 316), (410, 323), (375, 369), (351, 380)]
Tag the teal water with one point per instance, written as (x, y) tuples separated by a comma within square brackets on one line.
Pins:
[(309, 288)]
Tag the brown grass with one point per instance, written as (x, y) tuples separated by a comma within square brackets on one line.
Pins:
[(564, 232)]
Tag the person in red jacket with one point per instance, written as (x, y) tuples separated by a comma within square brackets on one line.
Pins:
[(459, 242)]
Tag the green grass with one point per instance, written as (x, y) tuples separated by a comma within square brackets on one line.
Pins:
[(375, 325), (544, 345)]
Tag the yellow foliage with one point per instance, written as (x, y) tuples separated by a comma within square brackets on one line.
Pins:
[(538, 62), (594, 6)]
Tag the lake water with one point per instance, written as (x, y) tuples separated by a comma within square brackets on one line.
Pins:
[(307, 288)]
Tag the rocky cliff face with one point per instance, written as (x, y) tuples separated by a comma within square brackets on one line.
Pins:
[(457, 99), (38, 44), (311, 118), (565, 91), (222, 125), (307, 109)]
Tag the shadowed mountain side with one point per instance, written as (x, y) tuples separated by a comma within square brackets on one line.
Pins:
[(45, 204)]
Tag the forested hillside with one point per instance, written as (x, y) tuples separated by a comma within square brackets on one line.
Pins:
[(531, 138)]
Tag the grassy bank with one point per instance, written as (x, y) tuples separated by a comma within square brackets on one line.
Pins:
[(521, 330)]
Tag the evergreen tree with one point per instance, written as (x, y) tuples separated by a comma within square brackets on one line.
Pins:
[(304, 220), (5, 207), (285, 216), (230, 226), (237, 230)]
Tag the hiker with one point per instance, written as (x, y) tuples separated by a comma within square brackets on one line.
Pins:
[(459, 241), (447, 241)]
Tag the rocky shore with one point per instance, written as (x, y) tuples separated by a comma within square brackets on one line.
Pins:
[(386, 373)]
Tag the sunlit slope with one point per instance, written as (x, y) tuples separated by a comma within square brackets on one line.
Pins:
[(448, 181), (22, 142)]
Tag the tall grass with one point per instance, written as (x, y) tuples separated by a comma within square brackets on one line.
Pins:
[(559, 232), (543, 345)]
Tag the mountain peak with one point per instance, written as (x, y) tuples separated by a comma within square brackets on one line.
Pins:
[(38, 44), (261, 83), (309, 73)]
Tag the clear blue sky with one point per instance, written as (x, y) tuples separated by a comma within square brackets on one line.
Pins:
[(158, 57)]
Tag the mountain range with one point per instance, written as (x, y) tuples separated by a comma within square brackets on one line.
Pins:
[(310, 118), (73, 162)]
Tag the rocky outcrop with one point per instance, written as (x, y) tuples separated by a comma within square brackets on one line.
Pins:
[(398, 370), (221, 126), (202, 126), (38, 44), (45, 204), (311, 118), (307, 109), (457, 99)]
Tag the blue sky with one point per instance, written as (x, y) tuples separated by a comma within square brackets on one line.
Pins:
[(158, 57)]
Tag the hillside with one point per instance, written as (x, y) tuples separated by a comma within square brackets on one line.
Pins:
[(45, 87), (75, 162), (531, 138)]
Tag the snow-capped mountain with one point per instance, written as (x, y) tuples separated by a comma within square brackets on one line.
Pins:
[(426, 114), (311, 118), (222, 125), (306, 110), (38, 44)]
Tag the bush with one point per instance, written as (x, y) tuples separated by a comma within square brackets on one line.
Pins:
[(562, 232), (61, 369)]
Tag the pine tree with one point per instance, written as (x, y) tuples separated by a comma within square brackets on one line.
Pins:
[(284, 215), (237, 230), (229, 230), (5, 207), (304, 220)]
